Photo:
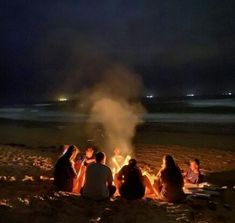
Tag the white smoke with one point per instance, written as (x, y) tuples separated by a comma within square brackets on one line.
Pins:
[(115, 107)]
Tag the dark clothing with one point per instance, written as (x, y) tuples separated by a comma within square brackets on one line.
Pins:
[(132, 187), (111, 189), (169, 184), (98, 177), (64, 175), (89, 161), (193, 177)]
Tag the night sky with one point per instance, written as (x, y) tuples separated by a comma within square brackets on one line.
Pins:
[(59, 47)]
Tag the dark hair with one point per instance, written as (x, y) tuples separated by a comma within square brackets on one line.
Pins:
[(69, 152), (99, 157), (171, 172), (169, 162), (132, 162)]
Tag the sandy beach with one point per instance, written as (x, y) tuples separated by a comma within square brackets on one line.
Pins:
[(27, 193), (145, 86), (29, 148)]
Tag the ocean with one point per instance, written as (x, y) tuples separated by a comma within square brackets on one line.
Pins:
[(219, 110)]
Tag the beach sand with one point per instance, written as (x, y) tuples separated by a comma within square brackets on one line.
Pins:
[(27, 193)]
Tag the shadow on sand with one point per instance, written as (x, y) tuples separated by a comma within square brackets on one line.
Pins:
[(224, 178)]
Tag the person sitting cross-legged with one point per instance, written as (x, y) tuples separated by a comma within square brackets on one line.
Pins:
[(169, 181), (98, 180), (65, 175), (131, 183), (193, 174)]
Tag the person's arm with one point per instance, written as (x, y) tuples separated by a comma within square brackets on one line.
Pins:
[(120, 173), (186, 176), (72, 174), (158, 183), (110, 178), (192, 177), (89, 161), (184, 173), (196, 178)]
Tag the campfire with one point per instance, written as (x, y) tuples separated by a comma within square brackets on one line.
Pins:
[(118, 161)]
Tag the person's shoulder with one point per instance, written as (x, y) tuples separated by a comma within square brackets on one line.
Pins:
[(61, 162), (91, 166), (105, 168), (60, 159), (125, 167)]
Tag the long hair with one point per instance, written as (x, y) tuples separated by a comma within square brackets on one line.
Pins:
[(170, 171), (64, 172), (65, 159), (169, 162), (69, 153)]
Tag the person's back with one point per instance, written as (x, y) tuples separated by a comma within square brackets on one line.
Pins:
[(98, 181), (64, 173), (132, 182), (169, 181), (172, 184)]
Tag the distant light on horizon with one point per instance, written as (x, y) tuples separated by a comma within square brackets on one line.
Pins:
[(150, 96), (227, 93), (62, 99), (190, 95)]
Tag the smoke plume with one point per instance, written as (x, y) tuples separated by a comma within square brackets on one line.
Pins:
[(115, 110)]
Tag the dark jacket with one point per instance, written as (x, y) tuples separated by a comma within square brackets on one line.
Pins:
[(64, 175)]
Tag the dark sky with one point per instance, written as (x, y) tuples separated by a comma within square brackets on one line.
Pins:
[(58, 47)]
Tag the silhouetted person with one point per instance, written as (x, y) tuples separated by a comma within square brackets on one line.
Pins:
[(169, 181), (98, 180), (65, 175), (130, 181)]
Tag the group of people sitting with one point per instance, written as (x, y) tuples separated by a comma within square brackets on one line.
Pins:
[(93, 179)]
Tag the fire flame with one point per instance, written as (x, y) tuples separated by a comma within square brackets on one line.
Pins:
[(145, 172), (117, 165)]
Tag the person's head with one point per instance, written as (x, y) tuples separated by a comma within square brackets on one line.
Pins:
[(100, 157), (89, 152), (132, 162), (170, 171), (63, 149), (194, 164), (168, 162), (117, 151), (71, 152)]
